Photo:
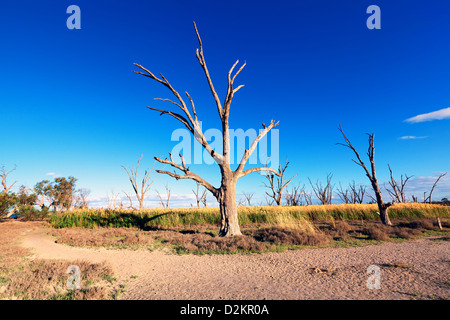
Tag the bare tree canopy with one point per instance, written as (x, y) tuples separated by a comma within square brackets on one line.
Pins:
[(200, 196), (277, 185), (140, 189), (226, 193), (248, 197), (4, 176), (398, 189), (164, 202), (323, 192), (81, 198), (382, 206)]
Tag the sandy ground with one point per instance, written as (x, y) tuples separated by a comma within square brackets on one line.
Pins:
[(329, 273)]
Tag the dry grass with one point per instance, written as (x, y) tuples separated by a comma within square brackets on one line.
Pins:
[(255, 238), (292, 217), (104, 237), (22, 278)]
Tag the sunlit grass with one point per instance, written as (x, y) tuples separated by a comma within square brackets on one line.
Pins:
[(299, 217)]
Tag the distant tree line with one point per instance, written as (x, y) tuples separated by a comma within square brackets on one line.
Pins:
[(46, 196)]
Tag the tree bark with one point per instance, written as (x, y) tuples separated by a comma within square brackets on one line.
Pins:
[(384, 216), (229, 225), (382, 206)]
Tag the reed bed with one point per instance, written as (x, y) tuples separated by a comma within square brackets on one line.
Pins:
[(300, 217)]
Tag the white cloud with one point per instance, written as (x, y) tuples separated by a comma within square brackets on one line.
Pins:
[(435, 115), (412, 137), (51, 174)]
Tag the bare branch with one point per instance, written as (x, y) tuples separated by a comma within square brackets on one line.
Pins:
[(434, 185), (187, 174), (251, 170), (4, 175), (248, 152), (350, 146), (201, 60)]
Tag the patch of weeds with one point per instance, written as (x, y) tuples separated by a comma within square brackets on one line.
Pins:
[(416, 293), (4, 280), (374, 233), (70, 295), (108, 277), (119, 291)]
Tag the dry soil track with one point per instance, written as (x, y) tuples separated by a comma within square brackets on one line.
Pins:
[(326, 273)]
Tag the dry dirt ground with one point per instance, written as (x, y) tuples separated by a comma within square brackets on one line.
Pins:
[(409, 270)]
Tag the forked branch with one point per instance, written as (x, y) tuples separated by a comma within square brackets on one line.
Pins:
[(248, 152), (187, 174)]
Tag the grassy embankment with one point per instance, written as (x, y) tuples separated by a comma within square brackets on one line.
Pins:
[(264, 228)]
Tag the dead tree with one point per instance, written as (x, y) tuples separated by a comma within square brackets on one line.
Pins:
[(344, 195), (226, 193), (293, 197), (432, 188), (112, 200), (276, 187), (248, 197), (398, 190), (382, 206), (164, 202), (81, 200), (142, 189), (200, 197), (323, 192), (357, 193), (4, 175)]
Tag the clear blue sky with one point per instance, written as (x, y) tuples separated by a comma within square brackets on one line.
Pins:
[(71, 105)]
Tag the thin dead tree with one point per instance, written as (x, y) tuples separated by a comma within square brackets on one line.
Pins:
[(293, 197), (112, 200), (307, 196), (226, 193), (164, 202), (344, 195), (131, 206), (428, 199), (248, 197), (382, 206), (398, 189), (277, 185), (140, 189), (200, 197), (357, 192), (81, 198), (4, 176), (323, 192)]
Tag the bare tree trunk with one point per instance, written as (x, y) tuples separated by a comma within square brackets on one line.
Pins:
[(382, 207), (432, 189), (229, 225)]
